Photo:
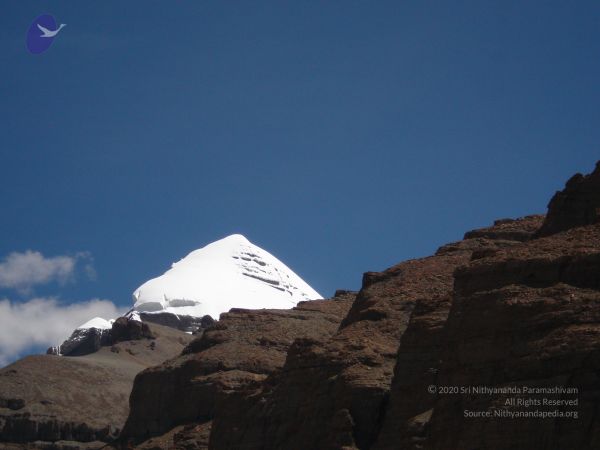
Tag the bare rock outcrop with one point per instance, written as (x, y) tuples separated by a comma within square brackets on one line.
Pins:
[(235, 354), (424, 345), (82, 342), (576, 205), (85, 341), (521, 315), (128, 329), (529, 317), (179, 321), (349, 375), (521, 230)]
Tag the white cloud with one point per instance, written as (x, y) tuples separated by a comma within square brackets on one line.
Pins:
[(43, 322), (23, 271)]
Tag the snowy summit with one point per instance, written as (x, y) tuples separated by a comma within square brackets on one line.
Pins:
[(98, 323), (229, 273)]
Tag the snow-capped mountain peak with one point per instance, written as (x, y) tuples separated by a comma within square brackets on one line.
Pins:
[(229, 273)]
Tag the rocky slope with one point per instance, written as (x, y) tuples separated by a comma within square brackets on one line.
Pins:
[(89, 339), (236, 354), (512, 305), (349, 375), (82, 341), (423, 346), (78, 400), (525, 316)]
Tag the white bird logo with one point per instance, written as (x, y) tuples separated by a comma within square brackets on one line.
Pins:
[(48, 33)]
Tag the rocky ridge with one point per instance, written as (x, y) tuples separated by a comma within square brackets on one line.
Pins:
[(578, 204), (84, 341), (510, 305), (235, 354), (350, 375), (186, 323)]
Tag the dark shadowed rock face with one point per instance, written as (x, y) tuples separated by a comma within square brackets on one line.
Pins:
[(235, 354), (521, 314), (423, 345), (576, 205), (498, 308), (82, 342), (349, 375), (528, 316), (126, 329)]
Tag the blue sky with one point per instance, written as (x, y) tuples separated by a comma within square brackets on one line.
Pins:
[(341, 136)]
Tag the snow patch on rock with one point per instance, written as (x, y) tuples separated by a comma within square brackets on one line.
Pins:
[(97, 322)]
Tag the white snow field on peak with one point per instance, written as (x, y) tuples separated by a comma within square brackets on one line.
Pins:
[(229, 273), (97, 322)]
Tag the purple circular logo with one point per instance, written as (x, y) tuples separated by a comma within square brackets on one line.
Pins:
[(41, 33)]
